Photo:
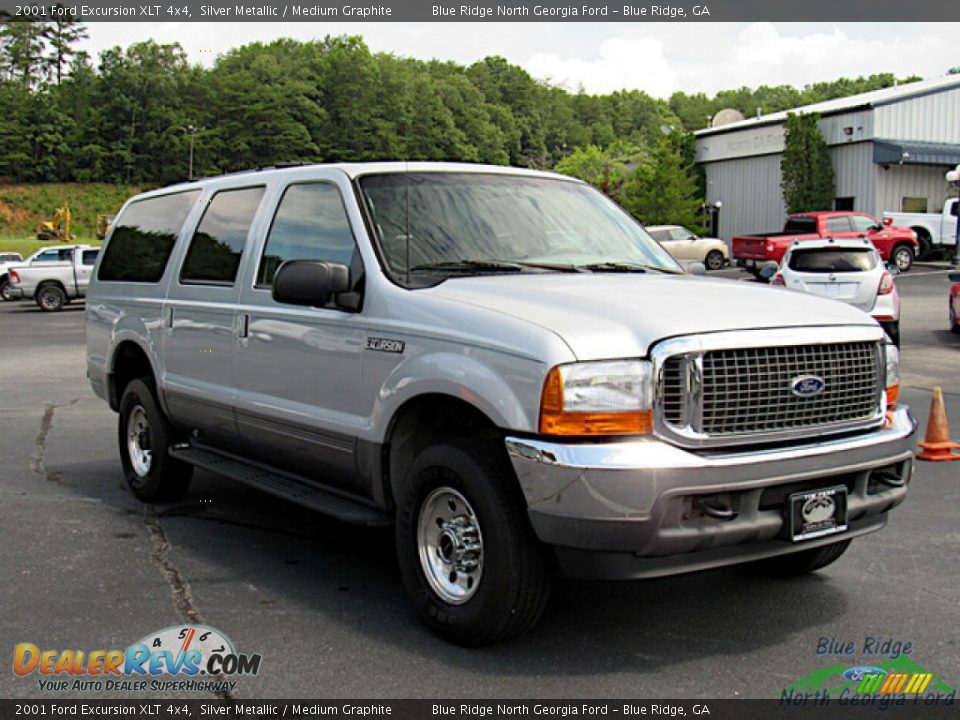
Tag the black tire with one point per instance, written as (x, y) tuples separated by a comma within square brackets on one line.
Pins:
[(51, 298), (5, 289), (954, 320), (513, 582), (902, 257), (714, 260), (926, 245), (893, 330), (162, 478), (803, 562)]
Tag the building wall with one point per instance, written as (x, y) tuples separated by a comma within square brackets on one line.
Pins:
[(856, 175), (911, 181), (928, 118), (749, 189)]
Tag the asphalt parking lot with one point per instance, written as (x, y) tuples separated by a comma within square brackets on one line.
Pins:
[(87, 566)]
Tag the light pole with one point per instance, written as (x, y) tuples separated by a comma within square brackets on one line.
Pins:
[(953, 177), (192, 132)]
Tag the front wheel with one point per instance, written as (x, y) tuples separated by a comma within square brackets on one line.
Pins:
[(714, 260), (144, 434), (468, 556), (51, 298), (902, 257), (803, 562)]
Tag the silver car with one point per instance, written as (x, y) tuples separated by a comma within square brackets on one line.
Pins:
[(849, 270), (500, 363), (686, 246)]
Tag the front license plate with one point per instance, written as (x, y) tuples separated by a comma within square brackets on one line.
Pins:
[(817, 513)]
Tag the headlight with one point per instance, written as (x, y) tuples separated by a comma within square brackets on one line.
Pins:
[(892, 372), (598, 398)]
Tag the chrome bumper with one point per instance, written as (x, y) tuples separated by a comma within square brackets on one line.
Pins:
[(642, 508)]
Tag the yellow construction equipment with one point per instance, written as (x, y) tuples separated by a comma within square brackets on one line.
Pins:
[(58, 228)]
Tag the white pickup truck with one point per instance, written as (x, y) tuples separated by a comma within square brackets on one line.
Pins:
[(53, 276), (7, 260), (932, 229)]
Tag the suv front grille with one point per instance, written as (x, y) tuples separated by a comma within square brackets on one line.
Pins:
[(748, 391)]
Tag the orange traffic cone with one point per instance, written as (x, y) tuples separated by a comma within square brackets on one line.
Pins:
[(937, 444)]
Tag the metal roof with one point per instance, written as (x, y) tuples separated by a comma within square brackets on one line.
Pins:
[(867, 100), (893, 152)]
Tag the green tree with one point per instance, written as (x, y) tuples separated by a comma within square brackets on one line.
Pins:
[(663, 190), (21, 50), (807, 172), (607, 169), (62, 35)]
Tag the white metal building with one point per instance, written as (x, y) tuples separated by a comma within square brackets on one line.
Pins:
[(890, 150)]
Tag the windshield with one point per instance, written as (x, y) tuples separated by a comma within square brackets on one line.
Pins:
[(473, 223), (824, 260)]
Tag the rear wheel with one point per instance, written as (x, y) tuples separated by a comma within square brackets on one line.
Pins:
[(468, 556), (902, 257), (5, 290), (926, 246), (51, 298), (144, 434), (714, 260), (954, 323), (803, 562)]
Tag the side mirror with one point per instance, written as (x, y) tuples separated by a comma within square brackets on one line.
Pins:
[(692, 238), (888, 221), (696, 268), (893, 269), (768, 271), (310, 282)]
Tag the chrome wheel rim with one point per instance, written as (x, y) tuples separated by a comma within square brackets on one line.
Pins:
[(49, 300), (450, 545), (714, 261), (5, 291), (902, 259), (138, 441)]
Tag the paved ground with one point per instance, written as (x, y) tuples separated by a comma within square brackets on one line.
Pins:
[(86, 566)]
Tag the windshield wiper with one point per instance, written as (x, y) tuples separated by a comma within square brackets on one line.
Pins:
[(629, 267), (495, 265)]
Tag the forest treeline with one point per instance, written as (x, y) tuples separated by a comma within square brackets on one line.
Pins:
[(130, 115)]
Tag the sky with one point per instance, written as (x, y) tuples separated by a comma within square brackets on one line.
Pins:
[(659, 58)]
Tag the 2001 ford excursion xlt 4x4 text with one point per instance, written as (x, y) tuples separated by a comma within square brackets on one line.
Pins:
[(502, 363)]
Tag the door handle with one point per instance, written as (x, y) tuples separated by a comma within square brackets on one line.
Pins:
[(243, 326)]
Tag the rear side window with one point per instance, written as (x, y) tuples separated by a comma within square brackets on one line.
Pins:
[(310, 224), (660, 235), (838, 225), (833, 261), (143, 238), (800, 225), (217, 244), (90, 257)]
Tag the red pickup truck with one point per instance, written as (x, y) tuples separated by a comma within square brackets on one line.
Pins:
[(895, 244)]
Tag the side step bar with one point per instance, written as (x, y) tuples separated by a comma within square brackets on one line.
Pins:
[(290, 487)]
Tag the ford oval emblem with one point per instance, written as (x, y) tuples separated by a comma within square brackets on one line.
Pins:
[(818, 508), (807, 386)]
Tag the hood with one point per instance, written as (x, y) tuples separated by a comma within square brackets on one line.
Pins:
[(622, 315)]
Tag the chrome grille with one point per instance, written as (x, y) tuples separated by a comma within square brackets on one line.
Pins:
[(675, 391), (747, 391)]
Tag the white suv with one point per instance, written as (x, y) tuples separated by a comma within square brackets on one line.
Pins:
[(849, 270)]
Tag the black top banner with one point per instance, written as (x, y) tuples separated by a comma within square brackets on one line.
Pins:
[(483, 11)]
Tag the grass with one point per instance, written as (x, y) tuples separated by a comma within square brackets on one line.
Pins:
[(22, 207)]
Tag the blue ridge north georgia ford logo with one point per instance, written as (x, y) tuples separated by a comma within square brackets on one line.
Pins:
[(807, 386)]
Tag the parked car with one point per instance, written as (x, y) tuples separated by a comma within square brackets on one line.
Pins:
[(54, 255), (54, 284), (895, 244), (847, 270), (685, 245), (954, 302), (501, 363), (7, 260), (932, 229)]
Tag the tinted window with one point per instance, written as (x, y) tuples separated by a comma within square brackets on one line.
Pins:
[(838, 225), (62, 255), (800, 225), (827, 260), (660, 235), (310, 224), (90, 257), (862, 223), (217, 244), (144, 236)]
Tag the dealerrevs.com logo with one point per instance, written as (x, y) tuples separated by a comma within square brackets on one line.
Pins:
[(177, 658)]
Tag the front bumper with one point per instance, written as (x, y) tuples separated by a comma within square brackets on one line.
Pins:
[(645, 508)]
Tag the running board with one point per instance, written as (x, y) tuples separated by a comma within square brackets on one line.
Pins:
[(290, 487)]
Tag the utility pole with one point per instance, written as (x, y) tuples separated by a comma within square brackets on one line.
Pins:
[(192, 132)]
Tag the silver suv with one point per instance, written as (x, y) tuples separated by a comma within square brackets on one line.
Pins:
[(502, 364)]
